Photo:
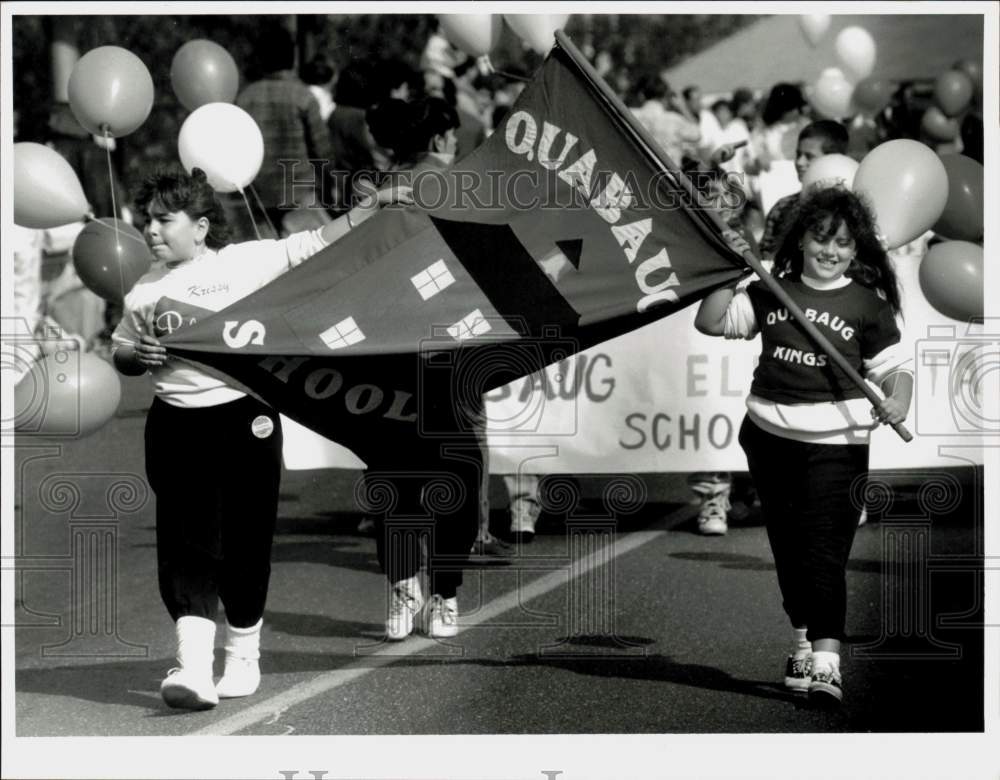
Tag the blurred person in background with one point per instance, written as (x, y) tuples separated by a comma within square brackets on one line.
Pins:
[(288, 116), (774, 144), (352, 145)]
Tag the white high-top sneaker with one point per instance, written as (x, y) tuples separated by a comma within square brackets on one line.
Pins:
[(406, 599), (189, 686), (242, 673)]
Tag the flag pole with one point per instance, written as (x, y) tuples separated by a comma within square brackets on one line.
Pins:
[(657, 154)]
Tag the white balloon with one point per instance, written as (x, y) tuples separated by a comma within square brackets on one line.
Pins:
[(814, 26), (475, 34), (830, 170), (855, 49), (225, 142), (831, 94), (537, 30)]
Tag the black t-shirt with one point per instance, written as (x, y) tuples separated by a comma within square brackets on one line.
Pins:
[(792, 369)]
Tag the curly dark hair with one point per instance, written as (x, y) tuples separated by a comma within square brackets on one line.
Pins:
[(409, 128), (175, 190), (822, 212)]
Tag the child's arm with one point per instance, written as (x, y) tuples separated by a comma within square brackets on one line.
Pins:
[(711, 317), (367, 208), (898, 389)]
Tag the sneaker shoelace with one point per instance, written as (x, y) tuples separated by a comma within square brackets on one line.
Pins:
[(715, 507), (440, 610)]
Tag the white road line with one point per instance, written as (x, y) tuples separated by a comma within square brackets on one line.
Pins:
[(269, 709)]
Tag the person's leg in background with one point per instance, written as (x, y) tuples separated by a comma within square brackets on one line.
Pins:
[(400, 528), (486, 543), (712, 490), (456, 524), (525, 505)]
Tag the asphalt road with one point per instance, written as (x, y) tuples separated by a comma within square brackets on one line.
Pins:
[(606, 624)]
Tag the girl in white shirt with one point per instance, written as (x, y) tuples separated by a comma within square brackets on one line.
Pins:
[(213, 453)]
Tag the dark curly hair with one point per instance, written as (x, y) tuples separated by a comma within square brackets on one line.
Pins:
[(175, 190), (822, 212), (409, 128)]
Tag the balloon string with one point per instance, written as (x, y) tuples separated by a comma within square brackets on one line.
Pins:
[(250, 212), (263, 210), (114, 210)]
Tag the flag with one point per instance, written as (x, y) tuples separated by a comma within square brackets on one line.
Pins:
[(561, 231)]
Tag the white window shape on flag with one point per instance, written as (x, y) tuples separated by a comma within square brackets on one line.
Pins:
[(433, 279), (343, 334), (470, 326)]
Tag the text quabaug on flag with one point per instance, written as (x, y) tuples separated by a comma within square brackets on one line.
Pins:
[(561, 231)]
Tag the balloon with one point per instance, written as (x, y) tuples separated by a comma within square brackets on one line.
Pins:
[(537, 30), (475, 34), (951, 276), (937, 126), (814, 27), (68, 393), (953, 91), (110, 89), (203, 72), (974, 70), (225, 142), (47, 192), (963, 213), (907, 186), (107, 267), (872, 95), (831, 94), (855, 49), (830, 170)]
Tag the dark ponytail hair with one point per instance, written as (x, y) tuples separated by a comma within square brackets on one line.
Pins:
[(823, 211), (408, 128), (175, 190)]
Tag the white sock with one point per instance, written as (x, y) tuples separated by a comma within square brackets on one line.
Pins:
[(195, 642), (244, 642), (825, 659), (801, 647)]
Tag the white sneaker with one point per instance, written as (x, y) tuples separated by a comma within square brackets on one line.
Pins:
[(442, 620), (241, 678), (712, 519), (405, 601), (242, 673), (189, 686), (189, 689)]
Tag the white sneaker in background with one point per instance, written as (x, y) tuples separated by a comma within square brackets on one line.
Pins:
[(405, 601), (442, 620)]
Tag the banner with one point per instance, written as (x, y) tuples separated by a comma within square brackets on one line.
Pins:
[(666, 398), (560, 232)]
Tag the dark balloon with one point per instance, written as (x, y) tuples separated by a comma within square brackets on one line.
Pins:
[(962, 217), (951, 277), (107, 263)]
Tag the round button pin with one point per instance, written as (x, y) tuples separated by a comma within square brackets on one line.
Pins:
[(262, 426)]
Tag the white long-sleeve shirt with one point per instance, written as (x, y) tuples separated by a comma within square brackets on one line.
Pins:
[(166, 299)]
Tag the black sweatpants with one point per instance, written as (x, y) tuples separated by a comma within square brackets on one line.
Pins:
[(806, 499), (216, 486), (427, 492)]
